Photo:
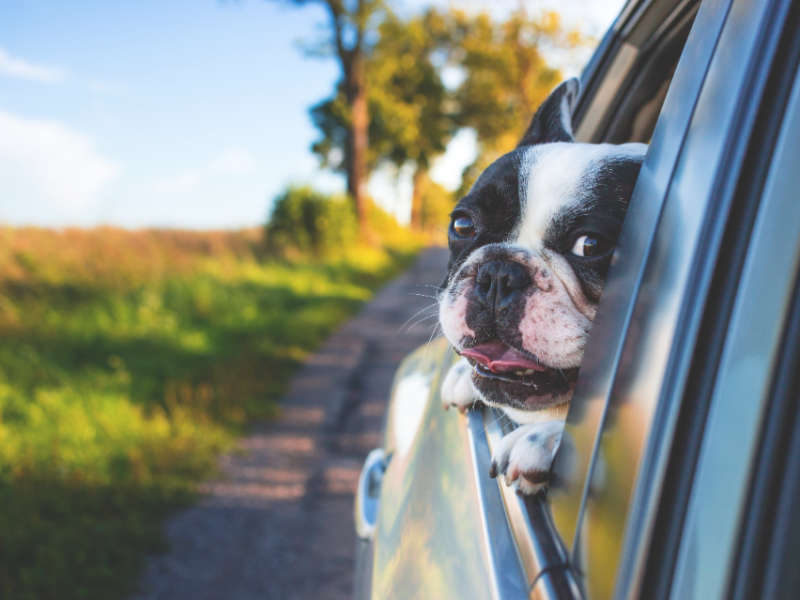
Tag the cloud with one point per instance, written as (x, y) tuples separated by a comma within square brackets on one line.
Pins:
[(233, 161), (18, 67), (51, 161), (181, 183)]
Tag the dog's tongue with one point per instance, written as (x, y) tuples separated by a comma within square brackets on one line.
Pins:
[(499, 358)]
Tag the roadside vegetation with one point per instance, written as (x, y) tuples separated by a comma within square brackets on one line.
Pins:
[(130, 359)]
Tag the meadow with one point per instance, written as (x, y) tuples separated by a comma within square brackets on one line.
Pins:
[(128, 361)]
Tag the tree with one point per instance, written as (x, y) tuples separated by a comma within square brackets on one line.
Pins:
[(351, 23), (413, 114), (411, 108), (506, 76), (407, 102)]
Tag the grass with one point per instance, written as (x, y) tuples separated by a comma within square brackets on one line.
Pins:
[(128, 361)]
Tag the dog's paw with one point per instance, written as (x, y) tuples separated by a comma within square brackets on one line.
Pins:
[(457, 387), (524, 456)]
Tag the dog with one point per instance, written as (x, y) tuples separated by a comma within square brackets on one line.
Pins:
[(530, 247)]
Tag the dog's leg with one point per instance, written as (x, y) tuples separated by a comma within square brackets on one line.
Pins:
[(457, 387), (524, 456)]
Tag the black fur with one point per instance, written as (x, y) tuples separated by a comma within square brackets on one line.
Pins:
[(547, 125), (600, 213), (493, 204)]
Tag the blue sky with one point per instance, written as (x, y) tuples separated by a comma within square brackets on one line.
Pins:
[(177, 113)]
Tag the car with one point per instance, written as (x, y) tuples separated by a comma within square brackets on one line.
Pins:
[(679, 473)]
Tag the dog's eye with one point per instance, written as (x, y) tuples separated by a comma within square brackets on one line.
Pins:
[(589, 246), (464, 226)]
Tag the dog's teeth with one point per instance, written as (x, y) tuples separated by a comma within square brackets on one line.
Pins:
[(528, 371), (518, 373)]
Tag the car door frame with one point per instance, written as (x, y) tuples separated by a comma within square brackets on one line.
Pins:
[(729, 128)]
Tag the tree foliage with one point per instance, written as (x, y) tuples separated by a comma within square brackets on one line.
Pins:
[(413, 114), (350, 27), (506, 76), (410, 108), (408, 100)]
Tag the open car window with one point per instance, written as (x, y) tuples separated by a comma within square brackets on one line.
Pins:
[(623, 95), (625, 89), (622, 81)]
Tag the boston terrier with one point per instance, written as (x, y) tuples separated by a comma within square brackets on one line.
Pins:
[(530, 246)]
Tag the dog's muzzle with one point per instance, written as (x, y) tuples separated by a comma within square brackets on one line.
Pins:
[(499, 284)]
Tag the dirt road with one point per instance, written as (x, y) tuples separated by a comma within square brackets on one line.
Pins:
[(279, 523)]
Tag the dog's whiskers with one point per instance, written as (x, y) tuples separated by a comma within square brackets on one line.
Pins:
[(425, 318), (415, 315), (497, 420), (437, 289), (430, 339)]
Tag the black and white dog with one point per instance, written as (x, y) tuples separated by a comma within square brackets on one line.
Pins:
[(530, 246)]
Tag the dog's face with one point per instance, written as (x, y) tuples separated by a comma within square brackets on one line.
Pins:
[(530, 245)]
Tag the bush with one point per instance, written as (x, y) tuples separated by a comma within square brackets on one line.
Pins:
[(306, 221)]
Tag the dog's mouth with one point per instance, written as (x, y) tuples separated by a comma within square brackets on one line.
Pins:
[(497, 360)]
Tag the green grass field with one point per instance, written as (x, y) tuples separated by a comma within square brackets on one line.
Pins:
[(128, 361)]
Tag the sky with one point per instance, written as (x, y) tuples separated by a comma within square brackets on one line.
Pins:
[(177, 113)]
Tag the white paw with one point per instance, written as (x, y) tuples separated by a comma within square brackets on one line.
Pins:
[(524, 456), (457, 387)]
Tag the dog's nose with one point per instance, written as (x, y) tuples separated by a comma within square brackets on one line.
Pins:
[(498, 282)]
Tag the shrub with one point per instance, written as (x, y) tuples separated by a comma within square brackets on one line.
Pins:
[(306, 221)]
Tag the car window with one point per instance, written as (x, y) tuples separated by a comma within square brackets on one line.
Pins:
[(633, 79), (624, 100), (601, 357)]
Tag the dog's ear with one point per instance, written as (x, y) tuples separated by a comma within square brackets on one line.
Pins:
[(553, 121)]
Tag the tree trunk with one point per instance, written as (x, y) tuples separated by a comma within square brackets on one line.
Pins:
[(419, 182), (356, 92)]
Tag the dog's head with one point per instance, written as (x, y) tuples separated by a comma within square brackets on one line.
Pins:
[(530, 245)]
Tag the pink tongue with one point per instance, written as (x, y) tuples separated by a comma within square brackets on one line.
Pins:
[(499, 358)]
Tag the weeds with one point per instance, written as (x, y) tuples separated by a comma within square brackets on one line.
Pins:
[(128, 361)]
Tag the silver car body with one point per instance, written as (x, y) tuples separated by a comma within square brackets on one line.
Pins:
[(675, 478)]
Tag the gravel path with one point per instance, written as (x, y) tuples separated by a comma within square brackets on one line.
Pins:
[(279, 523)]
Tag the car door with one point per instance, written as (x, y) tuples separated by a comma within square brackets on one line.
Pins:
[(676, 381), (437, 525)]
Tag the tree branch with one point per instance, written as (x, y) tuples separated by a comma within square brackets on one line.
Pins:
[(336, 11)]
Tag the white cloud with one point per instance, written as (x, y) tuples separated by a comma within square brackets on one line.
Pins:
[(180, 183), (233, 161), (51, 161), (18, 67)]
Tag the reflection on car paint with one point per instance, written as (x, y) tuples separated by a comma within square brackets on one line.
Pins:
[(430, 513), (410, 399)]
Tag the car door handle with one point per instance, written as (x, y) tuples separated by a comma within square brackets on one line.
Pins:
[(368, 493)]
